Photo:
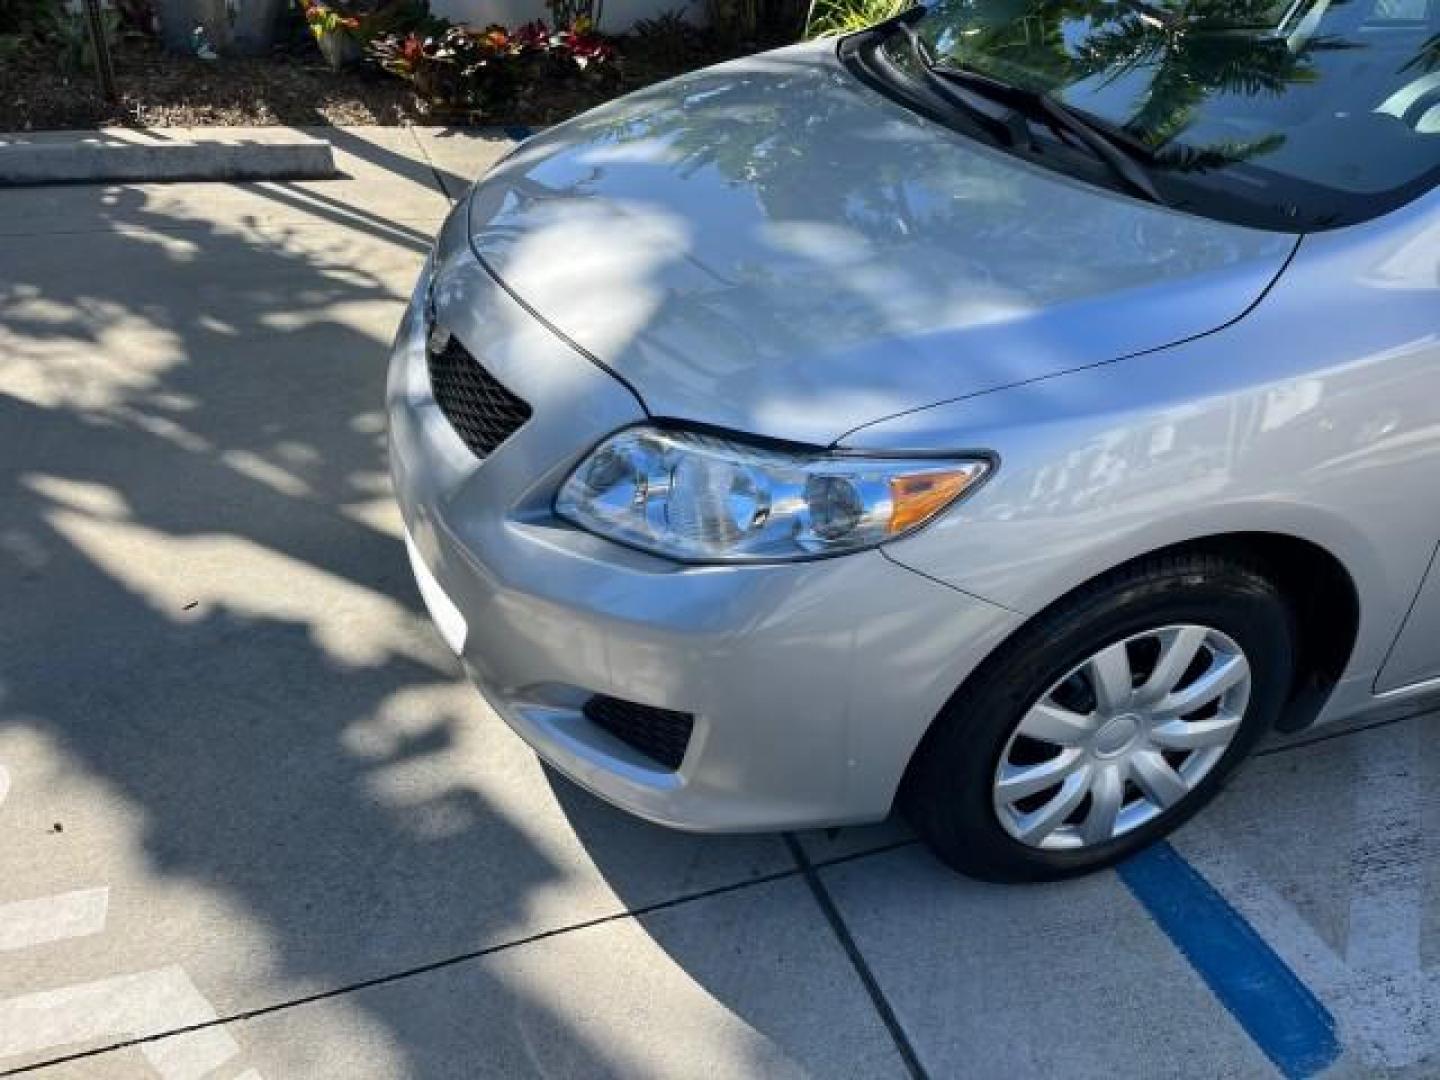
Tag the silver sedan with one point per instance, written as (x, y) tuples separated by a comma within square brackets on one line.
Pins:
[(1012, 412)]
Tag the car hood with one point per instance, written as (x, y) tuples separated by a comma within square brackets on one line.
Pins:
[(771, 246)]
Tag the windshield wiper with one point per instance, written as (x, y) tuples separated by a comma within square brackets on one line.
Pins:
[(1004, 129), (1121, 160), (946, 79)]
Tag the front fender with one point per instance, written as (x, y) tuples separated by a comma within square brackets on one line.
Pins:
[(1316, 416)]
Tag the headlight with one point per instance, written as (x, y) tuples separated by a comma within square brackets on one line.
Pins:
[(699, 498)]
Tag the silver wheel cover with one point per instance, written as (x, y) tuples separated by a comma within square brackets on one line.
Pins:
[(1122, 738)]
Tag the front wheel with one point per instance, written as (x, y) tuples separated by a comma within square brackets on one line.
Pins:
[(1106, 722)]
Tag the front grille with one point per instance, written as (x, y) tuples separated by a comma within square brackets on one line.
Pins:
[(659, 734), (482, 412)]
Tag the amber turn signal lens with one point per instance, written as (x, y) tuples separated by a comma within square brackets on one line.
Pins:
[(915, 499)]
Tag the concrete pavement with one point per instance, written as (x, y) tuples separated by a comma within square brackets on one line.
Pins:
[(253, 823)]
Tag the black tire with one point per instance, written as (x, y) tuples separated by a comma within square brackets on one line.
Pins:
[(947, 793)]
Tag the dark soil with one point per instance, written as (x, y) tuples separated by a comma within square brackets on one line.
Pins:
[(295, 87)]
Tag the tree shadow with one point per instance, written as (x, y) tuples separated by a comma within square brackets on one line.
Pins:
[(207, 610)]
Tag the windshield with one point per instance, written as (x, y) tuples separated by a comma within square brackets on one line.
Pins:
[(1314, 113)]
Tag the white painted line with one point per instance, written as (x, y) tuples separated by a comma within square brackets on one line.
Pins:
[(105, 1011), (24, 923), (122, 1007)]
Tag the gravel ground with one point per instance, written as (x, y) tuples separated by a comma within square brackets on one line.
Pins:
[(159, 90)]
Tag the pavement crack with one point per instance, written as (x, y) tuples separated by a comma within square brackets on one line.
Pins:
[(882, 1005), (800, 870), (409, 973), (434, 169)]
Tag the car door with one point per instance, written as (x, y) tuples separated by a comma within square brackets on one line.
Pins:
[(1415, 657)]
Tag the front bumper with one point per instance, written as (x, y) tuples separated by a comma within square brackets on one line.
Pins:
[(810, 683)]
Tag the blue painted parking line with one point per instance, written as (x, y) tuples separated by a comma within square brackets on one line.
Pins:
[(1267, 999)]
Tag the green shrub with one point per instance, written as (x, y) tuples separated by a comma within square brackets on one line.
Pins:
[(670, 37), (755, 22), (831, 18)]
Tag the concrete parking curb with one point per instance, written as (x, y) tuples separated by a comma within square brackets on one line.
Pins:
[(116, 155)]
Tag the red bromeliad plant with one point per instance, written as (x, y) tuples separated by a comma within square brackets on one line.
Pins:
[(434, 65), (579, 44), (583, 45), (476, 69)]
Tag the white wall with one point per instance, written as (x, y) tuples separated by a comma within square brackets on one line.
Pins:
[(616, 17)]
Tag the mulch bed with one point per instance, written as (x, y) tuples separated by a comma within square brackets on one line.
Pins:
[(295, 87)]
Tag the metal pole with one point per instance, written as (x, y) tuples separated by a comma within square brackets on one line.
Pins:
[(104, 67)]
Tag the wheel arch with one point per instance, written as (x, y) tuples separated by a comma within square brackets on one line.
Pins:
[(1324, 602), (1318, 588)]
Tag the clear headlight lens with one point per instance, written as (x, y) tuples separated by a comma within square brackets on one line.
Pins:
[(699, 498)]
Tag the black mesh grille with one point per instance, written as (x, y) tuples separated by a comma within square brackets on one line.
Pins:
[(660, 734), (480, 410)]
